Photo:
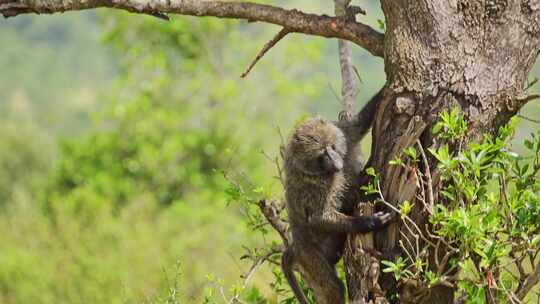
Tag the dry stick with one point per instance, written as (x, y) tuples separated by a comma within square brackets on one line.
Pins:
[(530, 282), (270, 44), (528, 119), (258, 261), (271, 213), (532, 83), (428, 176), (349, 86), (405, 216)]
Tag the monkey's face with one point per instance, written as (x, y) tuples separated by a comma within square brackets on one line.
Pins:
[(318, 147)]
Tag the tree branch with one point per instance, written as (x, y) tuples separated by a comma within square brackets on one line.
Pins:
[(294, 20), (349, 86), (531, 281), (270, 44), (271, 212)]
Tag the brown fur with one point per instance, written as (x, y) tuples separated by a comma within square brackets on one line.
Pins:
[(319, 159)]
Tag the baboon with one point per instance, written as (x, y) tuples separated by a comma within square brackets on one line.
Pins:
[(320, 163)]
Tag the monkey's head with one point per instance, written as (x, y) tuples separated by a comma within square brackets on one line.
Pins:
[(317, 147)]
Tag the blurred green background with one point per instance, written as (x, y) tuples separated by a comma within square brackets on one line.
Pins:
[(114, 129)]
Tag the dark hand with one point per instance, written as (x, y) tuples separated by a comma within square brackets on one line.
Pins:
[(372, 223), (381, 219)]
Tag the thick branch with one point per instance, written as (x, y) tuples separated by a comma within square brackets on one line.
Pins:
[(293, 20)]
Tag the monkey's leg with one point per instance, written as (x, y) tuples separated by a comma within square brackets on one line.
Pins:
[(320, 275), (287, 265)]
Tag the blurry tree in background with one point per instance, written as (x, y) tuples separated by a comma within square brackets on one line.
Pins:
[(176, 119), (144, 187), (25, 166), (169, 124)]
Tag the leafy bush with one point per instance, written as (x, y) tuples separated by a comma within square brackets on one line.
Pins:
[(486, 224)]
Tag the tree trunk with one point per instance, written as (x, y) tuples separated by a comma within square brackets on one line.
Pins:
[(475, 55)]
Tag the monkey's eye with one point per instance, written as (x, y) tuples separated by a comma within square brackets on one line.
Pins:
[(333, 147), (312, 138)]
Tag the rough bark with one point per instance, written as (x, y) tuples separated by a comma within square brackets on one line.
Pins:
[(294, 21), (475, 55)]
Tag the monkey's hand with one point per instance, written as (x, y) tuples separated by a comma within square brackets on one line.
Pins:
[(335, 221), (382, 219), (374, 222)]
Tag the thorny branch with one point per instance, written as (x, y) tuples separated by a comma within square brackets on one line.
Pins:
[(293, 20)]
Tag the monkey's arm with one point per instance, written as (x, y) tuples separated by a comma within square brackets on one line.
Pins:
[(358, 127), (334, 221)]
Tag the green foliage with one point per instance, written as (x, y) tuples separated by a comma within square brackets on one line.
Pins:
[(151, 148), (145, 188), (452, 126), (25, 161), (138, 208), (397, 268), (51, 67), (170, 132), (487, 221), (123, 257)]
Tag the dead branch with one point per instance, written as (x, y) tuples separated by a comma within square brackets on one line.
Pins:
[(530, 282), (349, 87), (294, 20), (270, 44), (528, 118), (531, 83), (271, 212), (258, 260), (431, 200)]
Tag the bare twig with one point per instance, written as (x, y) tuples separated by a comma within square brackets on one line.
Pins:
[(530, 282), (529, 119), (270, 44), (532, 83), (349, 87), (275, 160), (444, 262), (338, 99), (258, 260), (428, 176), (294, 20), (411, 221)]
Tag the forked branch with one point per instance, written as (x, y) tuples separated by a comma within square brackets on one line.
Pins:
[(295, 21)]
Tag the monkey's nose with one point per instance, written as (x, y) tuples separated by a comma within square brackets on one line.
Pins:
[(338, 165)]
